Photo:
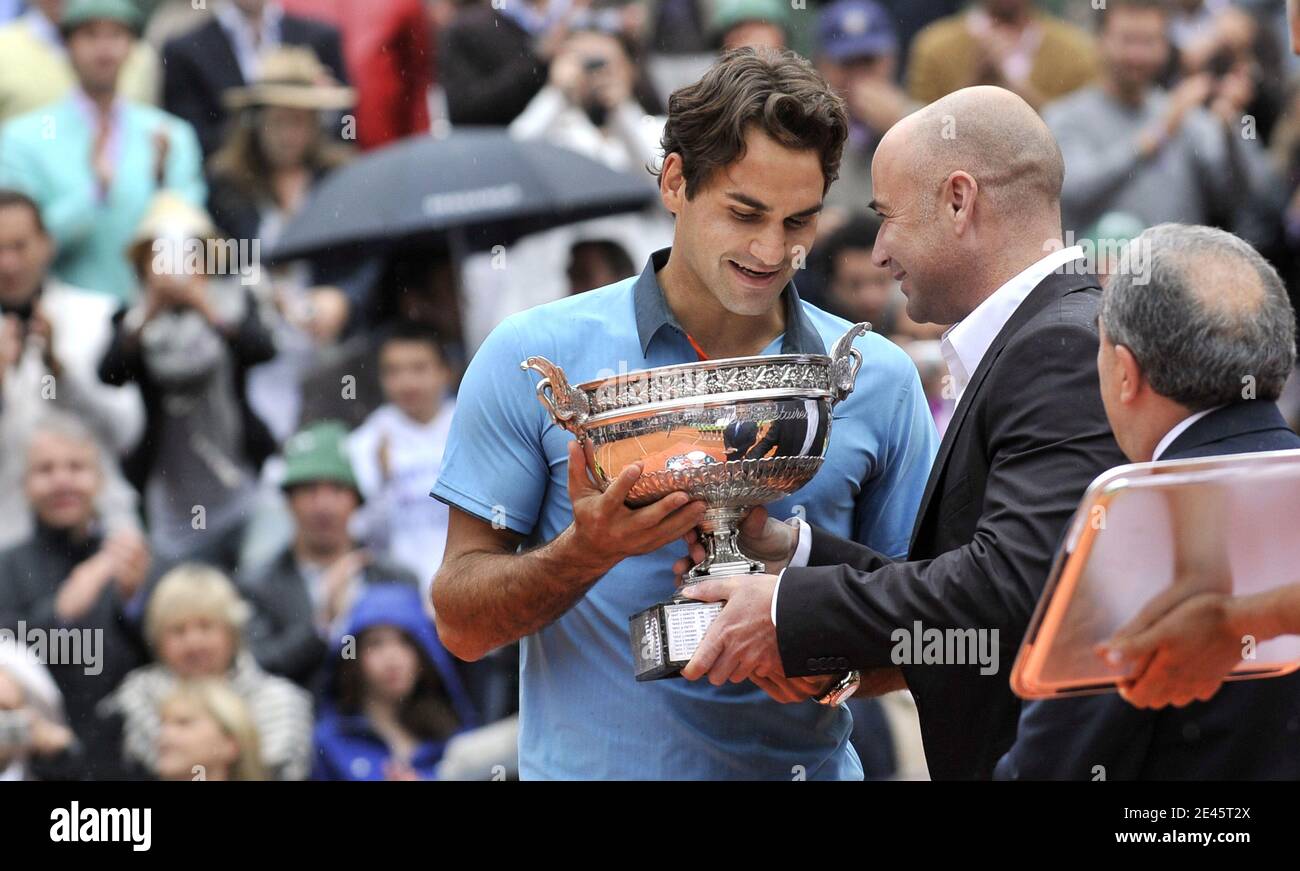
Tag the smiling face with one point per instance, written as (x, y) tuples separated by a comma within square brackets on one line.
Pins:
[(745, 229), (915, 244)]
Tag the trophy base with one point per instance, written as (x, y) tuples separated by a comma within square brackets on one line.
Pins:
[(664, 636)]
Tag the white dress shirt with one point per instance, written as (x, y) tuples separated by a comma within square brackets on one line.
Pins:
[(1179, 429), (250, 45), (964, 345), (965, 342)]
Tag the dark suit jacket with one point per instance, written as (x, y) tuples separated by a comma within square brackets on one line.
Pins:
[(200, 65), (1248, 731), (1027, 438)]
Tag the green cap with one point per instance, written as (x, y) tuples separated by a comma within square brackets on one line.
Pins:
[(79, 12), (318, 453), (729, 13)]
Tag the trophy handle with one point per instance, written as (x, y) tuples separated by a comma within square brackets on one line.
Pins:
[(567, 406), (846, 360)]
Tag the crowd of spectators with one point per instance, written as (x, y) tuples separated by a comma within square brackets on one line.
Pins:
[(218, 482)]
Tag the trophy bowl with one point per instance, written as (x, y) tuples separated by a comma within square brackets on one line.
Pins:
[(734, 433)]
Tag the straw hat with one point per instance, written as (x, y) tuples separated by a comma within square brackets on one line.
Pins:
[(291, 77), (172, 218)]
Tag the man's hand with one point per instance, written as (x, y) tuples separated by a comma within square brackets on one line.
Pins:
[(79, 592), (338, 581), (741, 641), (793, 689), (11, 343), (41, 330), (128, 553), (1187, 652), (606, 531), (761, 537)]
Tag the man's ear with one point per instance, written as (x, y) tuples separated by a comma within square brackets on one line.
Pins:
[(1131, 379), (958, 196), (672, 184)]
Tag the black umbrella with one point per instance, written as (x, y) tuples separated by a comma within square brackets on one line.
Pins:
[(480, 182)]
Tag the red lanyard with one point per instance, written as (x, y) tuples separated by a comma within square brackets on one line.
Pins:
[(696, 346)]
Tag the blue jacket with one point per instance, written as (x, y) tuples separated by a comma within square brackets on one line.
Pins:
[(1250, 730), (346, 746)]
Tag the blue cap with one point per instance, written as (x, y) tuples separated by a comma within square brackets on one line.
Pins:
[(852, 29)]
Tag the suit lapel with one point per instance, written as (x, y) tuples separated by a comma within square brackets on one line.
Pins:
[(1051, 288), (223, 69)]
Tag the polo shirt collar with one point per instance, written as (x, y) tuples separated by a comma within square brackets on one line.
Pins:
[(653, 313)]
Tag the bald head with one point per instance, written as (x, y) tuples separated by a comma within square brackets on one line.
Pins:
[(992, 135), (970, 190)]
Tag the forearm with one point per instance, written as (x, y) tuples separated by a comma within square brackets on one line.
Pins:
[(1266, 615), (486, 600)]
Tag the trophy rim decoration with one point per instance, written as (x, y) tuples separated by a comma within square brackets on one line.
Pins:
[(657, 392)]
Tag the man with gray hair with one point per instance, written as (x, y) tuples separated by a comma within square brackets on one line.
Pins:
[(74, 587), (1191, 363)]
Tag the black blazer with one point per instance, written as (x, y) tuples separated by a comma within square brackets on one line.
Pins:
[(1248, 731), (200, 65), (1027, 438), (487, 67)]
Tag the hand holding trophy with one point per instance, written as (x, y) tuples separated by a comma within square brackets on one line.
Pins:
[(734, 433)]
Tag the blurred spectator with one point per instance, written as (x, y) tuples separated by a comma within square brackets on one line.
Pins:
[(1131, 147), (588, 104), (206, 732), (595, 263), (188, 344), (260, 180), (910, 17), (397, 453), (1001, 42), (70, 578), (856, 288), (94, 160), (936, 381), (302, 596), (756, 23), (492, 61), (677, 27), (857, 54), (1285, 149), (227, 51), (51, 339), (194, 624), (393, 697), (418, 283), (1230, 41), (33, 730), (386, 46), (36, 71)]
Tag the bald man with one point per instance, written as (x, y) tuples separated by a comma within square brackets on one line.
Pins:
[(969, 189)]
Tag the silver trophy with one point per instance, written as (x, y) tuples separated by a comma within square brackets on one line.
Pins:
[(734, 433)]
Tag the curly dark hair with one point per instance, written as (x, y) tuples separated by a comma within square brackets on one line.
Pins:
[(778, 91)]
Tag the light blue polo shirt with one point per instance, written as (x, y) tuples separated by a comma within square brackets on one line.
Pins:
[(583, 715)]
